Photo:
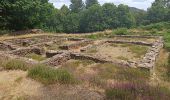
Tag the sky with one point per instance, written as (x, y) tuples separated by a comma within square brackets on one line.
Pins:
[(141, 4)]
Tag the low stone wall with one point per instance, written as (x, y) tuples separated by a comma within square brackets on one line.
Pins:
[(57, 59), (121, 63), (77, 45), (91, 46), (75, 39), (24, 51), (51, 53), (149, 59), (130, 42), (4, 46)]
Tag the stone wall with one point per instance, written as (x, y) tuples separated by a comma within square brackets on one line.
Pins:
[(130, 42), (149, 59), (24, 51), (57, 59), (4, 46), (77, 45), (121, 63)]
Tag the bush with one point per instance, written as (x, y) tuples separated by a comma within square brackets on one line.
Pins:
[(158, 26), (136, 91), (49, 75), (15, 65), (120, 31)]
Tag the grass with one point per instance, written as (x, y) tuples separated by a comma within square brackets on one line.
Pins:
[(136, 91), (138, 50), (15, 64), (36, 57), (48, 75), (120, 31), (110, 71), (96, 36)]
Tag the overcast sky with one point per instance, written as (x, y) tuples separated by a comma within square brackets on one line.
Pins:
[(141, 4)]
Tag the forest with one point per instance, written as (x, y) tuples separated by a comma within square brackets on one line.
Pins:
[(79, 17)]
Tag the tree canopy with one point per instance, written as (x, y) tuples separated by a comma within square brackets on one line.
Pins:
[(79, 16)]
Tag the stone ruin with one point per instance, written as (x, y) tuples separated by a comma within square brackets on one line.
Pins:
[(18, 48)]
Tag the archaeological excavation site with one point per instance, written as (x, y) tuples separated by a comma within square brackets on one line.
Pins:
[(58, 50), (50, 67)]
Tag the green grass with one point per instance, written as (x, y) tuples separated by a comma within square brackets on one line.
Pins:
[(36, 57), (48, 75), (15, 64), (138, 50)]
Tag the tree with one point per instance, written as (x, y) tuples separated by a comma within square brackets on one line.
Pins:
[(125, 17), (64, 9), (92, 19), (76, 6), (110, 15), (25, 14), (90, 3), (159, 11)]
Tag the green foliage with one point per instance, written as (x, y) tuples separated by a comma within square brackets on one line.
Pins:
[(120, 31), (25, 14), (76, 6), (28, 14), (49, 75), (158, 26), (90, 3), (15, 65), (159, 11)]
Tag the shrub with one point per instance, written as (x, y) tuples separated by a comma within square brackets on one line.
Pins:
[(136, 91), (15, 64), (48, 75), (120, 31)]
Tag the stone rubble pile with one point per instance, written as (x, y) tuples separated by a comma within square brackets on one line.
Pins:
[(57, 59)]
